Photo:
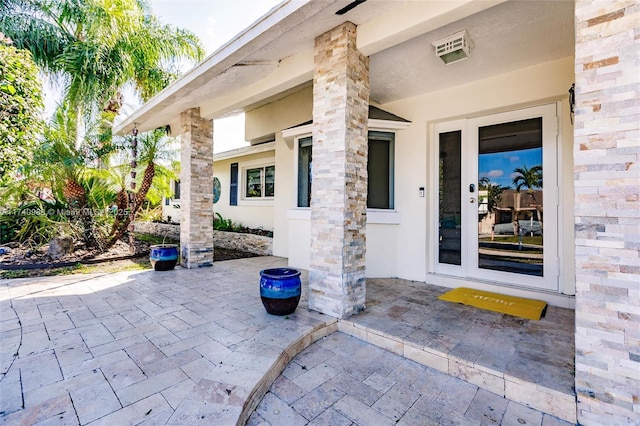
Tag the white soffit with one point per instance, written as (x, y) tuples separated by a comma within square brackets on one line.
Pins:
[(275, 54)]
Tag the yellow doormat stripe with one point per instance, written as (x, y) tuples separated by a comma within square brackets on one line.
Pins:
[(516, 306)]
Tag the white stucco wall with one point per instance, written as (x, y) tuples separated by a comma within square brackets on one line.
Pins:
[(404, 249), (289, 111), (253, 213), (537, 85)]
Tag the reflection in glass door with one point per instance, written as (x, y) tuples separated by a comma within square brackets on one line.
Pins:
[(510, 195), (495, 222)]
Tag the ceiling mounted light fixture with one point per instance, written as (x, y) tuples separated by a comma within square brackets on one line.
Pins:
[(454, 48)]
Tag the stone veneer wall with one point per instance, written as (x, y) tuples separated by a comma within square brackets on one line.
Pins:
[(339, 190), (251, 243), (607, 211), (196, 182)]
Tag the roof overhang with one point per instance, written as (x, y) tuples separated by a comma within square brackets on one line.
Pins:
[(275, 54)]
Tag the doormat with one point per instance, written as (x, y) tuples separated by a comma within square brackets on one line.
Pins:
[(511, 305)]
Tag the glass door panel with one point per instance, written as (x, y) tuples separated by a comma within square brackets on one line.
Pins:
[(450, 198), (510, 194)]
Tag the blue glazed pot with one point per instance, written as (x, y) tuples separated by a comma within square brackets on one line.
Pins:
[(280, 290), (163, 257)]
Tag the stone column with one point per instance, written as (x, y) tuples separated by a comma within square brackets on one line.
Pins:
[(607, 211), (339, 174), (196, 190)]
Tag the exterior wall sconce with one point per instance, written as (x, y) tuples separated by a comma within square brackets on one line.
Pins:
[(572, 101), (454, 48)]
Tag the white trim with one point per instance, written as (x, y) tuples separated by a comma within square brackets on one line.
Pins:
[(296, 152), (243, 200), (373, 124), (301, 213), (244, 151), (469, 269), (374, 216), (386, 217), (298, 131)]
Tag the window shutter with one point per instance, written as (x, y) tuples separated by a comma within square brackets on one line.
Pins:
[(233, 188)]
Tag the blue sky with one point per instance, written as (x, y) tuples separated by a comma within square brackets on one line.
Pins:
[(215, 22), (499, 167)]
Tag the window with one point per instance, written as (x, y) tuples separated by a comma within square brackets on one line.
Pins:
[(260, 182), (176, 190), (304, 172), (380, 168), (233, 186)]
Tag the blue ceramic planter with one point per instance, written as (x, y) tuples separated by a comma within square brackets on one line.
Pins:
[(280, 290), (163, 257)]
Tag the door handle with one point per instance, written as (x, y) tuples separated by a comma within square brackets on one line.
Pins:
[(472, 200)]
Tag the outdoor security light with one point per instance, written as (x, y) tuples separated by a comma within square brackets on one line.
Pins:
[(454, 48)]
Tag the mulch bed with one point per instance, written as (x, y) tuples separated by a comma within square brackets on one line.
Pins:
[(28, 258)]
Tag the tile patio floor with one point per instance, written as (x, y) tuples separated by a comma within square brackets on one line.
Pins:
[(197, 347)]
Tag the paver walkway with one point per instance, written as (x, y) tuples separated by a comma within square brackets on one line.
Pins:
[(341, 380), (178, 347), (197, 347)]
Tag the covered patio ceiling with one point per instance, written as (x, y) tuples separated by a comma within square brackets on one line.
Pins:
[(275, 55)]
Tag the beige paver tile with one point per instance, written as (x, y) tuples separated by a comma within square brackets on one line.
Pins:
[(10, 393), (145, 353), (176, 393), (149, 386), (487, 406), (116, 345), (38, 370), (197, 369), (56, 411), (72, 354), (191, 412), (95, 401), (35, 342), (170, 362), (277, 412), (83, 366), (153, 410), (380, 382), (360, 413), (516, 413), (397, 401), (415, 417), (317, 401), (123, 373), (457, 395), (358, 390), (286, 390), (257, 420), (250, 361), (330, 417), (548, 420), (314, 377), (95, 335)]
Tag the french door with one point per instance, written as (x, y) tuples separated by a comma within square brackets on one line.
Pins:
[(497, 215)]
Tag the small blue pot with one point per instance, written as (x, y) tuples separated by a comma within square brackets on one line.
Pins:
[(280, 290), (163, 257)]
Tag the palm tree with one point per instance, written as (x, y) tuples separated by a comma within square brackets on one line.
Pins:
[(494, 193), (155, 147), (528, 178), (97, 47), (59, 164), (531, 179)]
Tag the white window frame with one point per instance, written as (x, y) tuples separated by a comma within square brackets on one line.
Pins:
[(382, 216), (243, 167)]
